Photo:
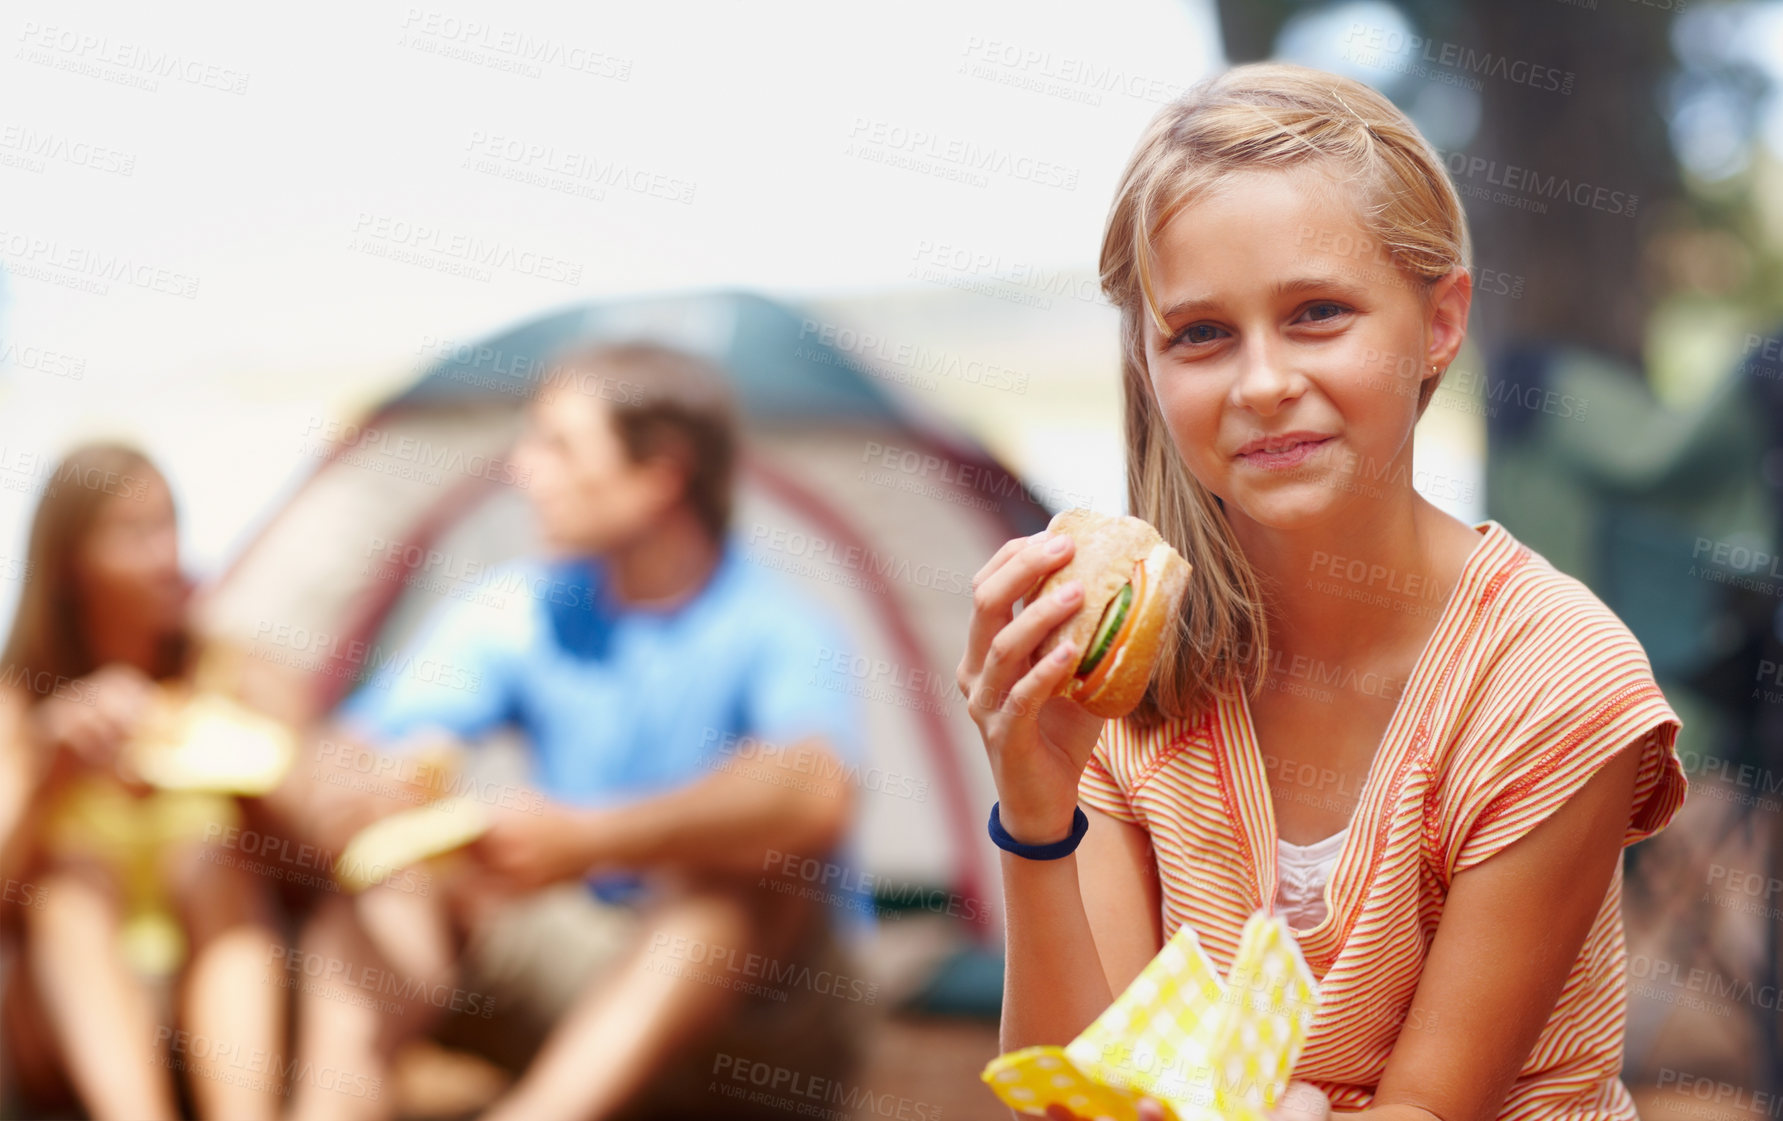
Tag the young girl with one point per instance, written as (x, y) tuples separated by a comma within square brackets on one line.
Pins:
[(1412, 737), (101, 620)]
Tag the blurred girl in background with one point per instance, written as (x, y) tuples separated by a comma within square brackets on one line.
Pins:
[(123, 890)]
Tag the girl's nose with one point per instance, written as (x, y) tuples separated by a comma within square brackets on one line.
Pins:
[(1264, 382)]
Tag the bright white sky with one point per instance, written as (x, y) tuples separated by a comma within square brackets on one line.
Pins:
[(354, 129)]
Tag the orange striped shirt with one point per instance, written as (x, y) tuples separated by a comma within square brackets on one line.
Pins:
[(1528, 685)]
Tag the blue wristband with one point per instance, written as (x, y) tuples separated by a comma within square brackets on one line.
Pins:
[(1079, 826)]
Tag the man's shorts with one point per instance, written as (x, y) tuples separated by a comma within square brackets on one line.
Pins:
[(536, 958)]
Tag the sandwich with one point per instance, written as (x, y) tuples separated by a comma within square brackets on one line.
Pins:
[(206, 741), (1133, 584), (388, 845)]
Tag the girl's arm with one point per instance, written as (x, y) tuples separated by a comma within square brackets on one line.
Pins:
[(35, 761), (1037, 745), (1511, 931), (1122, 895), (1096, 907), (1053, 982), (19, 776)]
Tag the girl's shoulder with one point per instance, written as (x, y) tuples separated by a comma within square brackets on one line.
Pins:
[(1544, 633), (1128, 753), (1129, 750), (1550, 688)]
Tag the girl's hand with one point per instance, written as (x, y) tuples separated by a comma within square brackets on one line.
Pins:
[(1302, 1102), (96, 714), (1038, 743)]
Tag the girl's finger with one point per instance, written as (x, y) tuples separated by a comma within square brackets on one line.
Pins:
[(1011, 655), (1037, 686), (986, 619), (973, 658), (1010, 547), (994, 598), (1303, 1102), (116, 725), (86, 743)]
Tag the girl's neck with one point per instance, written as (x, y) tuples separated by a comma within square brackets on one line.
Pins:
[(145, 650), (1373, 573)]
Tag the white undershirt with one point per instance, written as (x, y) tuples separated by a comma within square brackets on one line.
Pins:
[(1301, 874)]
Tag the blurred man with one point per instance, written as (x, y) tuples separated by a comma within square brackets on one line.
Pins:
[(619, 910)]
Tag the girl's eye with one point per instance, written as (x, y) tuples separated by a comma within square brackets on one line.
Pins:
[(1195, 333), (1324, 311)]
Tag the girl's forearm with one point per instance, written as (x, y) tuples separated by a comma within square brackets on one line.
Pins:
[(18, 786), (1053, 984)]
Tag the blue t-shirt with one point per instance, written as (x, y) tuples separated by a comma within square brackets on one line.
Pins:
[(621, 702)]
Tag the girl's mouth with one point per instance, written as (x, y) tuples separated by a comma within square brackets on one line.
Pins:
[(1284, 455)]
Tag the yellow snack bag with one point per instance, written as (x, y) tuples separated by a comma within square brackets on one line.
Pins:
[(1210, 1050)]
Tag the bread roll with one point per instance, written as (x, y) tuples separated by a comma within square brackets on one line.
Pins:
[(1112, 553)]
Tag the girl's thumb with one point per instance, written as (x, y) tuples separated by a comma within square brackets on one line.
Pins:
[(1303, 1102)]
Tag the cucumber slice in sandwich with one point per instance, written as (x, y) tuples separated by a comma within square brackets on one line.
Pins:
[(1112, 617)]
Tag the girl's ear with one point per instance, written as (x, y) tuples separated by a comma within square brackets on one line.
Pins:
[(1451, 295)]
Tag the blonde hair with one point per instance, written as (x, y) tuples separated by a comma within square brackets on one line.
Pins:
[(1261, 116)]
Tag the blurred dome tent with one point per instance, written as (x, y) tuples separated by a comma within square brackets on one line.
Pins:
[(364, 549)]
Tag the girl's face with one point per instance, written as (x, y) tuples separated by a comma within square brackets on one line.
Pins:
[(1290, 371), (129, 564)]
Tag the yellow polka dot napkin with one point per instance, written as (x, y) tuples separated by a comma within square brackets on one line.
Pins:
[(1210, 1050)]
